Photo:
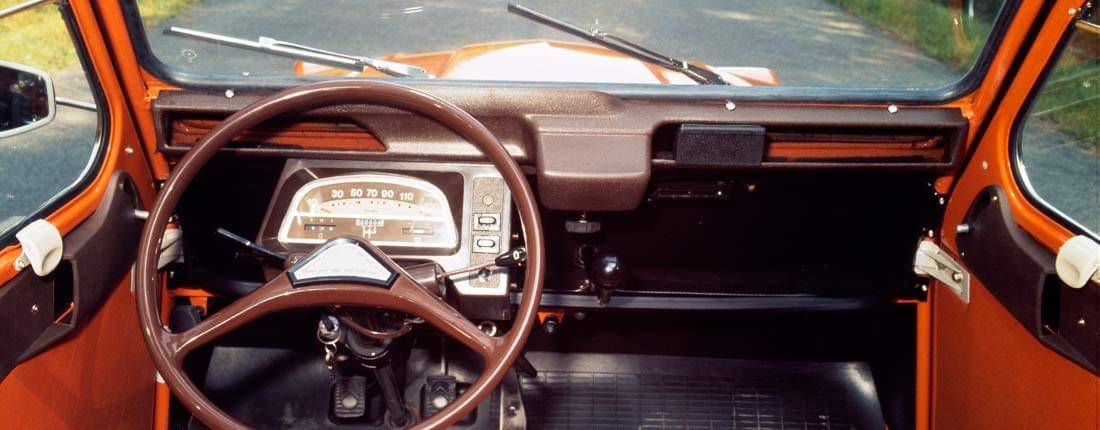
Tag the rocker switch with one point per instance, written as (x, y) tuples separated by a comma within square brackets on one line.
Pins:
[(486, 244), (487, 222)]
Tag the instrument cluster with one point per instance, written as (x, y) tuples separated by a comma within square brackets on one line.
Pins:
[(457, 215)]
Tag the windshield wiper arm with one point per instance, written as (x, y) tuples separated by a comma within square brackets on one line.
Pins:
[(616, 43), (304, 53)]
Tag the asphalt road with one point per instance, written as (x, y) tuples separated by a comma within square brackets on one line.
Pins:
[(806, 42), (39, 164), (1064, 175)]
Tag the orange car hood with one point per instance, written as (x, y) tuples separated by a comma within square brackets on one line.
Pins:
[(546, 61)]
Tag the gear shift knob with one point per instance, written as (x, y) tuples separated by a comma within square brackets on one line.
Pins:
[(607, 272)]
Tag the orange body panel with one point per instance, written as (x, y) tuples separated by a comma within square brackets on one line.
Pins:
[(443, 63), (988, 371), (991, 373), (995, 149), (923, 410), (138, 87), (100, 377)]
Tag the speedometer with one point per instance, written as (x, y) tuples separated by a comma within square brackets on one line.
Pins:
[(386, 209)]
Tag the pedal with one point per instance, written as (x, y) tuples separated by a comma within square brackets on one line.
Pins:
[(439, 391), (349, 397)]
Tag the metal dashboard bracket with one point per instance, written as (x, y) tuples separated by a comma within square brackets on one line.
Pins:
[(933, 262)]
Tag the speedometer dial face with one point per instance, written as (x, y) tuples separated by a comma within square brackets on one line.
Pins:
[(388, 210)]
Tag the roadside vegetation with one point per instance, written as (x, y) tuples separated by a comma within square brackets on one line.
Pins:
[(1070, 101), (942, 32), (40, 39)]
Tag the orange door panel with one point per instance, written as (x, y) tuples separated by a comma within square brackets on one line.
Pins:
[(98, 374), (99, 377), (999, 361)]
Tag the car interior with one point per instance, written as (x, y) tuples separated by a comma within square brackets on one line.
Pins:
[(410, 253)]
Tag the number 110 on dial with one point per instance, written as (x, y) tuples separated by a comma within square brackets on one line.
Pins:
[(388, 210)]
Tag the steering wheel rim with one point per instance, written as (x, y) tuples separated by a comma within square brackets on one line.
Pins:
[(166, 348)]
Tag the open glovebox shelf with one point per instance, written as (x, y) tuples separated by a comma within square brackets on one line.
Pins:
[(781, 240)]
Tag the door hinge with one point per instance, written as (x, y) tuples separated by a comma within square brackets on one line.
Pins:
[(933, 262)]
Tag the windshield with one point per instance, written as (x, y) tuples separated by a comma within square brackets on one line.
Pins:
[(896, 44)]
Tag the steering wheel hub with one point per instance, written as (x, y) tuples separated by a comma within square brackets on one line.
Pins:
[(343, 259)]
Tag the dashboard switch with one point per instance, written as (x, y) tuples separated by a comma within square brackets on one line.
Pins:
[(486, 244), (487, 222)]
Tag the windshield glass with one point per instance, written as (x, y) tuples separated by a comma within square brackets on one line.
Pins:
[(896, 44)]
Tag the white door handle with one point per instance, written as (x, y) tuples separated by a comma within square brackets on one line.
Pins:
[(1078, 261)]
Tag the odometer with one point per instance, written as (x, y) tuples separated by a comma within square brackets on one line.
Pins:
[(388, 210)]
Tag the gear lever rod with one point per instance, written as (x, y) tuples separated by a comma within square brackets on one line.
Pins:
[(395, 405), (253, 248)]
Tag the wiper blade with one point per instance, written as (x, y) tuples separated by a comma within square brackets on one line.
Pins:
[(306, 53), (616, 43)]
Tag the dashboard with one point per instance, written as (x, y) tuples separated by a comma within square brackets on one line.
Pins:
[(613, 176), (456, 215)]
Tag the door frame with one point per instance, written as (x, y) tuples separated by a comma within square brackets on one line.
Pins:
[(987, 369)]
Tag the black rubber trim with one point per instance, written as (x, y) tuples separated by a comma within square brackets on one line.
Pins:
[(26, 310), (761, 302), (1017, 270), (99, 252), (949, 92), (100, 150)]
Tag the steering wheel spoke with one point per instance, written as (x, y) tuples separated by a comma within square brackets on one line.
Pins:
[(262, 301), (443, 317), (341, 278), (406, 295)]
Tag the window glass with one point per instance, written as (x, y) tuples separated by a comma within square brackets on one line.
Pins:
[(1060, 146), (39, 165), (897, 44)]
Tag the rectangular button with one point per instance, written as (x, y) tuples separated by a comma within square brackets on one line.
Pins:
[(486, 244), (487, 222)]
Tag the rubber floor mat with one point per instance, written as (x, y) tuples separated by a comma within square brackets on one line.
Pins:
[(610, 391)]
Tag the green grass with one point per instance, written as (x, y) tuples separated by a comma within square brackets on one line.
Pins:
[(928, 25), (1070, 101), (40, 39)]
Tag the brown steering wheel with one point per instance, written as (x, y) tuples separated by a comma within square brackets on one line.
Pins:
[(168, 350)]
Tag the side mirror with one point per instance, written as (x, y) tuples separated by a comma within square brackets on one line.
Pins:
[(26, 99)]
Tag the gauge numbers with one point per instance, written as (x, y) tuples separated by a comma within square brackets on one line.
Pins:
[(387, 210)]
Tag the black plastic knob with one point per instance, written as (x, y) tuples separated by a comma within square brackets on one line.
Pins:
[(513, 257), (607, 271)]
